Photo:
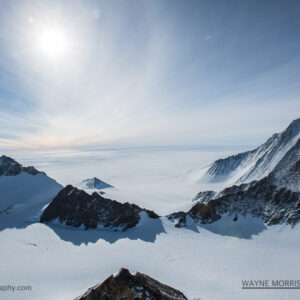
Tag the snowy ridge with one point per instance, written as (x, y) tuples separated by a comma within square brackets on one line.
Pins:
[(258, 163)]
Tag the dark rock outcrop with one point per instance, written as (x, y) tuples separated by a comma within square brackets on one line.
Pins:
[(76, 207), (179, 218), (9, 167), (127, 286)]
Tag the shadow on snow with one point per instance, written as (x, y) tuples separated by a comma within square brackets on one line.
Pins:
[(146, 230)]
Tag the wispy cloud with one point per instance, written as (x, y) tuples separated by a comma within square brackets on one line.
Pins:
[(139, 73)]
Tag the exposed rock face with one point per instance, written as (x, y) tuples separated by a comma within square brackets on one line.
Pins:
[(258, 163), (179, 217), (127, 286), (76, 207), (274, 199), (261, 199), (9, 167), (287, 173), (205, 196)]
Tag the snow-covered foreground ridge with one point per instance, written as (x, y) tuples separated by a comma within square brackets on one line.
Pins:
[(245, 167)]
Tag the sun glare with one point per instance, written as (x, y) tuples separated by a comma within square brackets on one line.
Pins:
[(52, 43)]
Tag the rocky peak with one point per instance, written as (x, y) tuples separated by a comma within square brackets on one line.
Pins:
[(127, 286), (75, 207), (10, 167)]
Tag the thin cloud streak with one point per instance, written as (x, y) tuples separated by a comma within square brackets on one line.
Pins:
[(139, 81)]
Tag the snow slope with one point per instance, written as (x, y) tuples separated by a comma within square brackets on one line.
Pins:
[(23, 196)]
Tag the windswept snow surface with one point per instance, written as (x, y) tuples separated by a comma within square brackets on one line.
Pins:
[(198, 262)]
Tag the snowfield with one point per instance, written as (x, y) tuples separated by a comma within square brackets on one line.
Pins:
[(204, 262), (198, 262)]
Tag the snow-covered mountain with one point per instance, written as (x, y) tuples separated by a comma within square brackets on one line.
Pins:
[(125, 285), (24, 191), (93, 184), (274, 199), (258, 163), (77, 208)]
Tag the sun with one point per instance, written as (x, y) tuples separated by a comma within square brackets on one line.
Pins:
[(52, 42)]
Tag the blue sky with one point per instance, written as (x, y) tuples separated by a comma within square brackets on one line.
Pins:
[(144, 73)]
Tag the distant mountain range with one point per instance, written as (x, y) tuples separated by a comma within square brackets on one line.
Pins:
[(278, 150)]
